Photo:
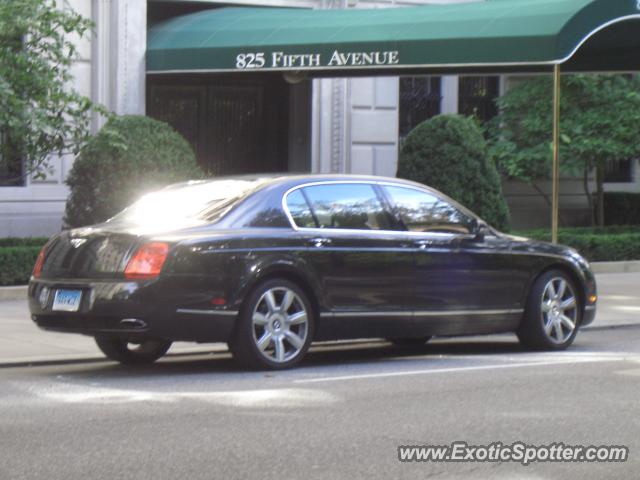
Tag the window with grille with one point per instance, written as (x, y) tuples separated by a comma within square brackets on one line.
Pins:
[(419, 100), (619, 172), (476, 97), (11, 165)]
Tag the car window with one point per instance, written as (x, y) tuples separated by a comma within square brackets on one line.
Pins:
[(188, 204), (353, 206), (425, 212), (299, 210)]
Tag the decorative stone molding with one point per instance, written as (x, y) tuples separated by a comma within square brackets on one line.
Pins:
[(338, 122), (119, 56)]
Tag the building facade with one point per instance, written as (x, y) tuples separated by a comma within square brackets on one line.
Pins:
[(267, 124)]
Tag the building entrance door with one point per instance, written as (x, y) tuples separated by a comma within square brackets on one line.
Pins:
[(235, 126)]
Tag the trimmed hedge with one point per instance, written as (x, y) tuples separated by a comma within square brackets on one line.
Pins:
[(607, 245), (17, 258), (23, 242), (621, 208), (16, 264), (130, 156)]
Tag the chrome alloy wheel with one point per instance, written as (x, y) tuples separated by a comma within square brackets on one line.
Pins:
[(280, 324), (559, 310)]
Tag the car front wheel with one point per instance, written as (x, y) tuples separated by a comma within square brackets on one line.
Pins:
[(275, 326), (552, 313), (131, 353)]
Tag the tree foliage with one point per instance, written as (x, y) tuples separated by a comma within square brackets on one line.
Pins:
[(599, 123), (129, 156), (40, 112), (449, 153)]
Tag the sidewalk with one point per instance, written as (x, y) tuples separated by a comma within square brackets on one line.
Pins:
[(22, 343)]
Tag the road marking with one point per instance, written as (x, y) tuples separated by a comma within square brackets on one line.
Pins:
[(457, 369), (272, 398), (626, 308), (617, 298)]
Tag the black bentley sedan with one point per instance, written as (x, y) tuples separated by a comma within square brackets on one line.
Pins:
[(269, 264)]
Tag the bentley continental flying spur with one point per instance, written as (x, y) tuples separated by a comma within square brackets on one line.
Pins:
[(269, 264)]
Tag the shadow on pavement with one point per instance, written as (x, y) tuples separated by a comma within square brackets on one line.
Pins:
[(324, 355)]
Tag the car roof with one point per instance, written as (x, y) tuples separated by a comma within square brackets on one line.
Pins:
[(292, 180)]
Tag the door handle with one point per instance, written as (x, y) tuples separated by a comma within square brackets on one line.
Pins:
[(320, 242), (433, 243), (422, 244)]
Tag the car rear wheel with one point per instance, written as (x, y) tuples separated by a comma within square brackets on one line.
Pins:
[(274, 328), (132, 353), (552, 314)]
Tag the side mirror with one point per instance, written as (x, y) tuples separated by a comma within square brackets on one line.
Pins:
[(480, 231)]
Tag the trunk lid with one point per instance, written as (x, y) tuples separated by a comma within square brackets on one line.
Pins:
[(88, 253)]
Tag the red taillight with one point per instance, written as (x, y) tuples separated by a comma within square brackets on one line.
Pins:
[(37, 269), (147, 261), (218, 301)]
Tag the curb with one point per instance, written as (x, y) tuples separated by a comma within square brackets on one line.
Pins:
[(75, 358), (83, 358), (616, 267), (13, 293), (42, 362)]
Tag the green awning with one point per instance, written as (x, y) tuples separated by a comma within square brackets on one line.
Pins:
[(499, 35)]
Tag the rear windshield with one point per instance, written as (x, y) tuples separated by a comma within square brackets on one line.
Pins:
[(188, 204)]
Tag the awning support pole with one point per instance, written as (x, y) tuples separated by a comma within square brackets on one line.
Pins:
[(555, 194)]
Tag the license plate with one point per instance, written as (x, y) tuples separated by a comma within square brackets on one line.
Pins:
[(67, 300)]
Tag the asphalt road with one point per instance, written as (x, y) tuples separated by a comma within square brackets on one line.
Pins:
[(342, 414)]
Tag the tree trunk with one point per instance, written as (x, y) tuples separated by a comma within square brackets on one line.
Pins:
[(600, 194), (542, 194), (547, 200)]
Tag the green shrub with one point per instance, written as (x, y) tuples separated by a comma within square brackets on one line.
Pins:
[(449, 153), (16, 264), (607, 245), (130, 156), (621, 208), (23, 242), (545, 233)]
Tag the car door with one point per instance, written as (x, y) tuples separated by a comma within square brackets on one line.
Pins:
[(463, 279), (364, 264)]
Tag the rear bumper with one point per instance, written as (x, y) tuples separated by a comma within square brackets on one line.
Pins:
[(157, 309)]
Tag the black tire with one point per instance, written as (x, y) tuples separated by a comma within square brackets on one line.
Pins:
[(410, 342), (544, 313), (284, 341), (132, 353)]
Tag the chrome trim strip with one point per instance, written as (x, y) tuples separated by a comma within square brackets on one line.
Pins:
[(366, 314), (434, 248), (405, 233), (347, 231), (285, 207), (351, 231), (431, 313), (423, 313), (208, 312)]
